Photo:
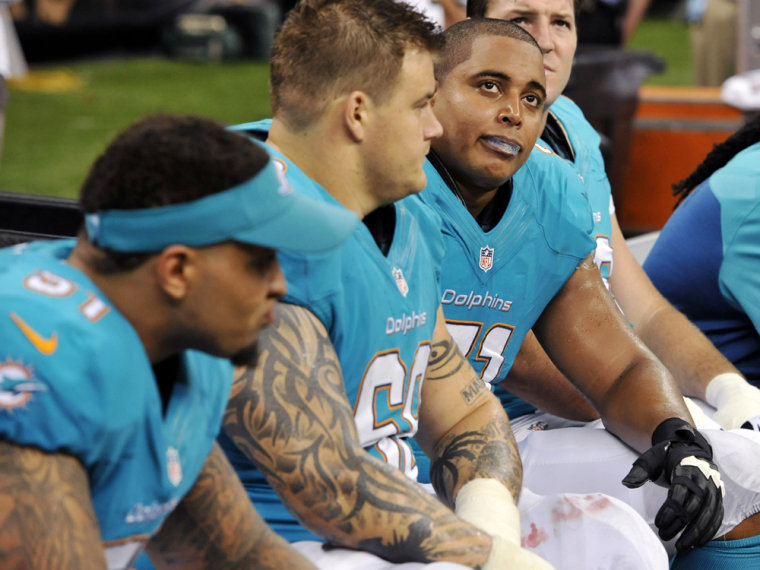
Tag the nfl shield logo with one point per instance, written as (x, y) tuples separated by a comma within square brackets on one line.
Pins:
[(486, 258), (401, 283), (173, 466)]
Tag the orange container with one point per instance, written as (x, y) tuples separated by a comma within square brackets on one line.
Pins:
[(673, 130)]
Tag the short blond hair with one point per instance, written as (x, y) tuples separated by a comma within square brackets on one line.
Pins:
[(327, 48)]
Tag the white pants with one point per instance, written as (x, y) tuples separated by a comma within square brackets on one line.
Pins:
[(345, 559), (588, 531), (574, 532), (581, 460)]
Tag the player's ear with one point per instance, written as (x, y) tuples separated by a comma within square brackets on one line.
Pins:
[(355, 114), (175, 268)]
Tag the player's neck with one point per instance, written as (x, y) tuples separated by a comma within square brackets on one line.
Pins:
[(473, 197), (328, 159), (144, 313)]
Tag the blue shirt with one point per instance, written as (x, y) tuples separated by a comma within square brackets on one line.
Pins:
[(706, 261), (497, 283)]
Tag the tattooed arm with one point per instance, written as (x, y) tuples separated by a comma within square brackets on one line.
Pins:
[(291, 416), (46, 516), (475, 464), (463, 426), (216, 526)]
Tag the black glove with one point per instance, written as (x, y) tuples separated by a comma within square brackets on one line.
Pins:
[(753, 423), (681, 460)]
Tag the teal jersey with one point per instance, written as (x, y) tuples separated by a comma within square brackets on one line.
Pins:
[(587, 160), (379, 311), (497, 283), (75, 379)]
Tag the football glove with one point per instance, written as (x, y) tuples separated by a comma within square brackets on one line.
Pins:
[(681, 460)]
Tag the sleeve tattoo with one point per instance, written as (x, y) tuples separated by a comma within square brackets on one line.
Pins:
[(291, 416), (46, 515), (216, 526)]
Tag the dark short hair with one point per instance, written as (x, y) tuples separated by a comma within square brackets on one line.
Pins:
[(166, 159), (327, 48), (460, 37)]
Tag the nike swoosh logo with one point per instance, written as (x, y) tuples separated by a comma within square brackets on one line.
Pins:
[(46, 346)]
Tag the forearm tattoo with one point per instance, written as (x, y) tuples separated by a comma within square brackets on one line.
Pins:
[(490, 451), (445, 361), (46, 515), (290, 415), (485, 453), (215, 526)]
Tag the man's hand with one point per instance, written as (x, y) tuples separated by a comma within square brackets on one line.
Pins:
[(681, 460), (737, 402)]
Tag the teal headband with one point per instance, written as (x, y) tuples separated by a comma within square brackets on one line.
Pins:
[(262, 211)]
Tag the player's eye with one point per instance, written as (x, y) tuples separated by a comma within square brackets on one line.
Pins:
[(264, 262), (489, 86), (533, 100)]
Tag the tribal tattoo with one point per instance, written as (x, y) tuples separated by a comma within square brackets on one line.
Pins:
[(446, 361), (46, 515), (216, 526), (291, 417), (477, 454)]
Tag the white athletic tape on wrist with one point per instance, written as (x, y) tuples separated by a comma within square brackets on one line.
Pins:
[(722, 387), (488, 504), (706, 470), (504, 554), (734, 399)]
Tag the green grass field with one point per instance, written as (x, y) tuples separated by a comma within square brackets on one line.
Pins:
[(58, 123), (52, 137), (670, 40)]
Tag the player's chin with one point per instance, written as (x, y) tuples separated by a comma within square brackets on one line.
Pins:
[(421, 183), (246, 357), (414, 185), (500, 171)]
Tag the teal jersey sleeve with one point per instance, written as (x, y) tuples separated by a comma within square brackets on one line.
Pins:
[(561, 200), (69, 338)]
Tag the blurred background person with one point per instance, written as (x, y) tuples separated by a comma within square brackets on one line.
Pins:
[(12, 62), (442, 12), (713, 34), (609, 22)]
